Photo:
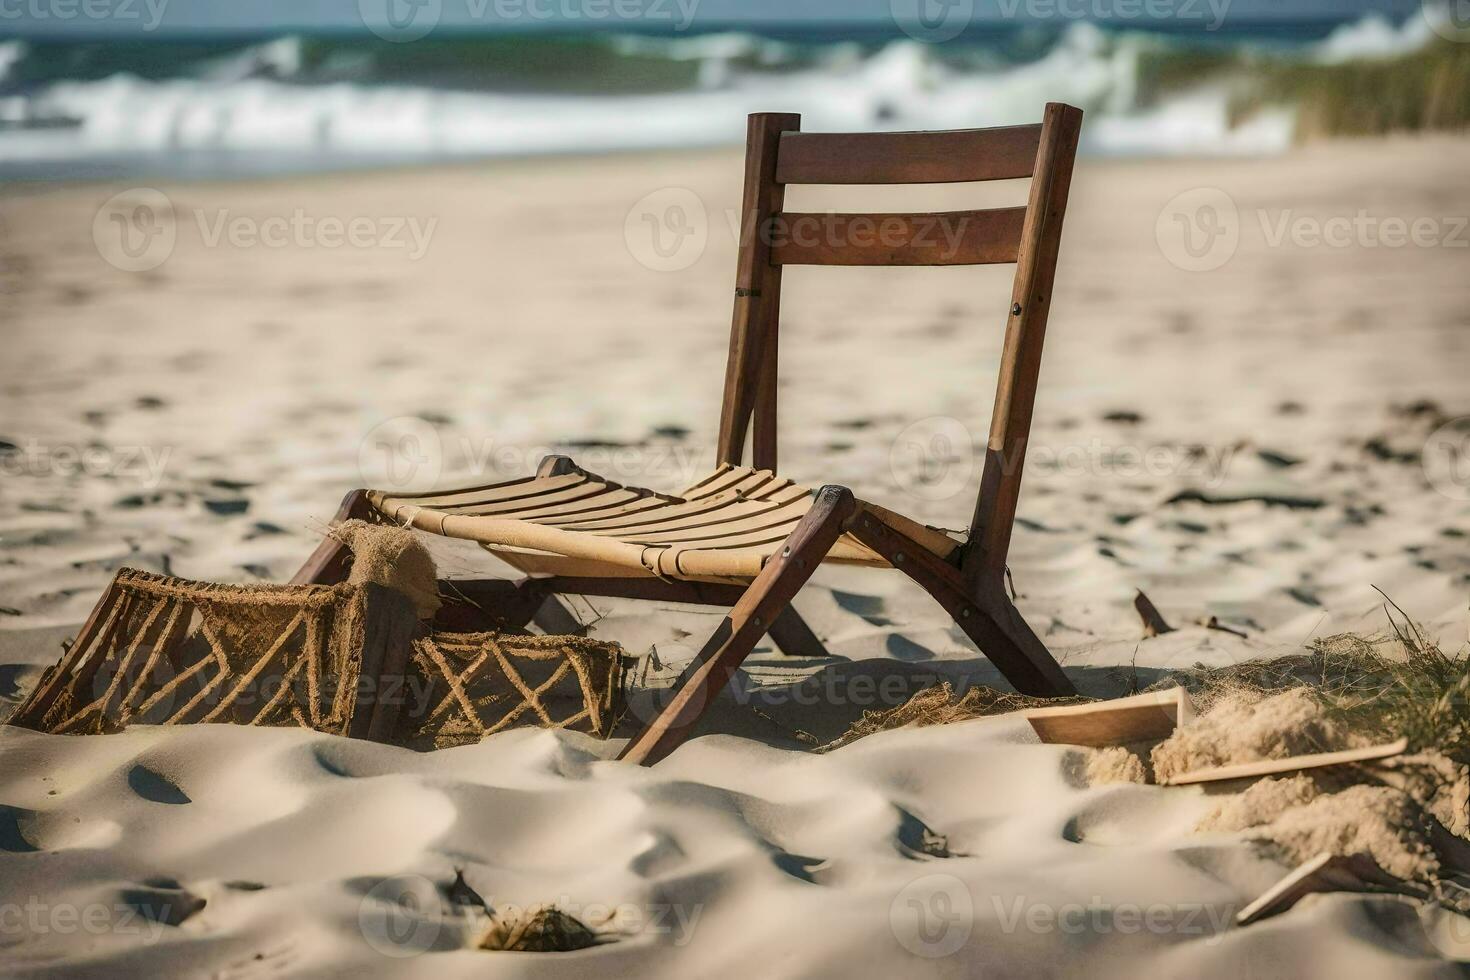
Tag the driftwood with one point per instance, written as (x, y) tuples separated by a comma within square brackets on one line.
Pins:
[(1153, 620)]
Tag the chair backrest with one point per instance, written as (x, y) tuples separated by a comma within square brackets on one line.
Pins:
[(777, 153)]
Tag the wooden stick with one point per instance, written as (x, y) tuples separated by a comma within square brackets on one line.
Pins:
[(747, 622), (1326, 872), (1153, 621), (1296, 763)]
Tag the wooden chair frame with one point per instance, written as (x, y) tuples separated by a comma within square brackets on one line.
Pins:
[(969, 584)]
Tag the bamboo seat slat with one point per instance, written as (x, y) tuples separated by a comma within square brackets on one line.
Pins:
[(723, 528)]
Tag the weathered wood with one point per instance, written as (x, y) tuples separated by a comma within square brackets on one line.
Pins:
[(985, 237), (757, 285), (747, 622), (388, 624), (1326, 872), (1142, 717), (987, 617), (763, 452), (950, 156), (1296, 763), (1020, 365), (331, 561), (1153, 620)]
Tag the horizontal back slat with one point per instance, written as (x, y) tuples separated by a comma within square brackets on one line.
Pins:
[(949, 156), (942, 238)]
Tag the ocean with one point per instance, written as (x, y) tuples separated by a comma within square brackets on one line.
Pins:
[(238, 106)]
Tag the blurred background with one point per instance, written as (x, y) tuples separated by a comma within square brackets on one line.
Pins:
[(210, 87)]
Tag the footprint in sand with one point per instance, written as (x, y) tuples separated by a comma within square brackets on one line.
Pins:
[(155, 787)]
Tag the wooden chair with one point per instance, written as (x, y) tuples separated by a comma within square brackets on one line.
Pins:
[(744, 537)]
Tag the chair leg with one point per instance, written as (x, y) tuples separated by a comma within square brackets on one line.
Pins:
[(985, 613), (781, 578), (332, 559), (794, 637)]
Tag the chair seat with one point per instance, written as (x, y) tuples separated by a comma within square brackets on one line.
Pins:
[(722, 529)]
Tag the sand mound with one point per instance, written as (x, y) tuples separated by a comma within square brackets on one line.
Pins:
[(1391, 812), (1114, 764), (1262, 803), (1250, 726), (1379, 821), (391, 556)]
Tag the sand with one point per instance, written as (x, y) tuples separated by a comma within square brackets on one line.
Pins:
[(1240, 443)]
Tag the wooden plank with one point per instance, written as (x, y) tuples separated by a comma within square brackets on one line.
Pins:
[(1296, 763), (1020, 365), (948, 156), (388, 625), (780, 579), (757, 283), (984, 237), (1142, 717), (1326, 872)]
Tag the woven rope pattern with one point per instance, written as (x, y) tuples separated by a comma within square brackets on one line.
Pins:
[(166, 651), (482, 683)]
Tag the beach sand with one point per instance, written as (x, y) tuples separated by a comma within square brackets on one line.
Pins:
[(1242, 443)]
